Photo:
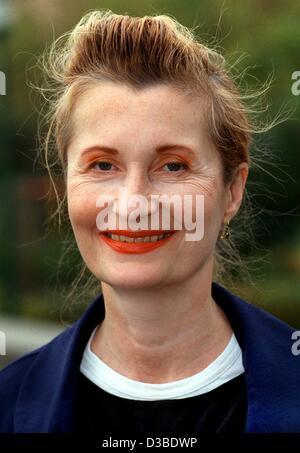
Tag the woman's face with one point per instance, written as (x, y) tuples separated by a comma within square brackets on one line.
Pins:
[(161, 146)]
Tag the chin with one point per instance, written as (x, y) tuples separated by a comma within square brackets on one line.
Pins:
[(132, 277)]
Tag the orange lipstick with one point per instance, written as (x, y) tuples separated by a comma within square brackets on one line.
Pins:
[(135, 247)]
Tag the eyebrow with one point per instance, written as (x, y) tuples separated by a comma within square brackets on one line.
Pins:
[(159, 149)]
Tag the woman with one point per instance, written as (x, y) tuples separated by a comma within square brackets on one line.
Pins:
[(141, 105)]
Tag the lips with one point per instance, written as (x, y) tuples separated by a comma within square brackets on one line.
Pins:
[(149, 240), (136, 234)]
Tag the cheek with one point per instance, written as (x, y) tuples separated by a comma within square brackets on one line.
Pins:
[(213, 215), (82, 207), (210, 204)]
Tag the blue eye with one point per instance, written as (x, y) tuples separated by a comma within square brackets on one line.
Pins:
[(104, 166), (107, 166), (175, 166)]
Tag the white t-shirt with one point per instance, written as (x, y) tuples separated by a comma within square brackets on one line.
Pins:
[(225, 367)]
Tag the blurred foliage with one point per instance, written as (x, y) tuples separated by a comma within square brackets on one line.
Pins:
[(264, 32)]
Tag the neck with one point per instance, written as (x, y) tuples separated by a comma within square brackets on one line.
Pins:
[(161, 334)]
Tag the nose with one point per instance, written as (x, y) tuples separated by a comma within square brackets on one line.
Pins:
[(137, 182), (135, 195)]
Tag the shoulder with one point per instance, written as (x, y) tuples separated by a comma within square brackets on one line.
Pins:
[(15, 373), (11, 378), (36, 390), (271, 366), (263, 337), (245, 315)]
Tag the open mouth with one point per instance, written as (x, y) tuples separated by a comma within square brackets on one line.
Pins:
[(135, 242), (129, 239)]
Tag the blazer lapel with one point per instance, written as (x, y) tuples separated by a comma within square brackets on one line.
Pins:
[(272, 372)]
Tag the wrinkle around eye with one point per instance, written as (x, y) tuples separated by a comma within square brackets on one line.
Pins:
[(205, 184), (203, 179), (75, 183)]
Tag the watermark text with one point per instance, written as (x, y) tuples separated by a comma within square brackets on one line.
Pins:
[(296, 85), (2, 343), (161, 212), (2, 84)]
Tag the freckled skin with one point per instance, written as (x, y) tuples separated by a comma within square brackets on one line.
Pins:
[(135, 123)]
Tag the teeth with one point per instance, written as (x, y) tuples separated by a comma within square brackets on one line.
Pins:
[(122, 238), (128, 239)]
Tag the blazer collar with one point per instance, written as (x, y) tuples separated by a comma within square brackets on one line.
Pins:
[(48, 392)]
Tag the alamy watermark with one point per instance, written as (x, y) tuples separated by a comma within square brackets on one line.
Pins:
[(295, 88), (2, 84), (296, 345), (2, 93), (2, 343), (177, 213)]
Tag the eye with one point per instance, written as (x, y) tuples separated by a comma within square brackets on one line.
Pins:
[(107, 166), (175, 166), (102, 165)]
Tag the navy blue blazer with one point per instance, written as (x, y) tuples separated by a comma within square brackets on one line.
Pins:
[(37, 391)]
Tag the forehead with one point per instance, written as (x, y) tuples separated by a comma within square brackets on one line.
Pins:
[(113, 112)]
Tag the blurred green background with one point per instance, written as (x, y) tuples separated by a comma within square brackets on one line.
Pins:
[(266, 32)]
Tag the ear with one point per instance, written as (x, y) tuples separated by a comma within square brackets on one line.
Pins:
[(235, 190)]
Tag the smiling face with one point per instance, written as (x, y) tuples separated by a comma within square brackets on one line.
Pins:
[(152, 141)]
